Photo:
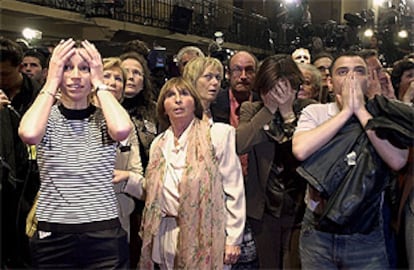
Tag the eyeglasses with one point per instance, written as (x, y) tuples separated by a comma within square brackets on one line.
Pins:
[(237, 71)]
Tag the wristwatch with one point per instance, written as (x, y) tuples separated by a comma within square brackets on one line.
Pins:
[(101, 87)]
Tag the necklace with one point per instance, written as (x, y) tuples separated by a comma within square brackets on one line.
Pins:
[(207, 112)]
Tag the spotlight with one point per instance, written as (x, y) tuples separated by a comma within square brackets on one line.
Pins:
[(403, 33), (29, 34), (368, 32)]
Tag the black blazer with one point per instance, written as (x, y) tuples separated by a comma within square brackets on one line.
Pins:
[(220, 108)]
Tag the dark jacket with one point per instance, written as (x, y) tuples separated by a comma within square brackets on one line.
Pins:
[(19, 178), (350, 174), (267, 140), (220, 107)]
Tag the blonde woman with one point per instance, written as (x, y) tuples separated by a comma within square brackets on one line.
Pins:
[(205, 73)]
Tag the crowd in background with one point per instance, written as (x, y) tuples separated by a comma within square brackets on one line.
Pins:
[(288, 162)]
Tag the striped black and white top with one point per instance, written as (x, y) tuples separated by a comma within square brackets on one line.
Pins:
[(76, 159)]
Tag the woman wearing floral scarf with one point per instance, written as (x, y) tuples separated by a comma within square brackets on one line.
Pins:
[(195, 207)]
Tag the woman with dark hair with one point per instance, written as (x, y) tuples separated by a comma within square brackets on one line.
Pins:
[(402, 78), (274, 191), (139, 100), (194, 207)]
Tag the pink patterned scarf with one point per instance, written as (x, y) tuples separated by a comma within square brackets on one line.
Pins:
[(201, 215)]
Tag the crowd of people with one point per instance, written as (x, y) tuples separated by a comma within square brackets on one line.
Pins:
[(296, 161)]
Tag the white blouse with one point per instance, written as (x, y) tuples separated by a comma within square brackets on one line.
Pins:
[(223, 140)]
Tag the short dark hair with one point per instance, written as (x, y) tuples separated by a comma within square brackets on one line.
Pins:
[(275, 67), (350, 53), (36, 54), (322, 55), (137, 46), (10, 51), (367, 53)]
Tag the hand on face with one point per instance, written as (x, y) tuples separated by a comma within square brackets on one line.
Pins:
[(280, 96), (61, 54), (357, 97), (285, 94), (351, 98), (386, 87), (374, 84), (93, 57), (270, 100)]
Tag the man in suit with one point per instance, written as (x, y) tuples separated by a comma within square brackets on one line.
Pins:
[(226, 108)]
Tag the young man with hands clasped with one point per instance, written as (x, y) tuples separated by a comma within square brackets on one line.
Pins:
[(348, 149)]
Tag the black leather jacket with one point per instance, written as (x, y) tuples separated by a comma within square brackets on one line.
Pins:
[(349, 173)]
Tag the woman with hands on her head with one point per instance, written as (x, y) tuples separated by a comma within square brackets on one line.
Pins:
[(78, 223), (194, 209)]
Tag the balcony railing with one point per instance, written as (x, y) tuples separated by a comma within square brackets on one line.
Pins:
[(195, 17)]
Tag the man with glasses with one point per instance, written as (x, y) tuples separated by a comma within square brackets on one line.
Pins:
[(241, 73)]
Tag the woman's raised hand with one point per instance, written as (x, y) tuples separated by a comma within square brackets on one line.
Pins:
[(60, 55), (94, 59)]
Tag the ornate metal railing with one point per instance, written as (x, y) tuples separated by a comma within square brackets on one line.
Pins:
[(195, 17)]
